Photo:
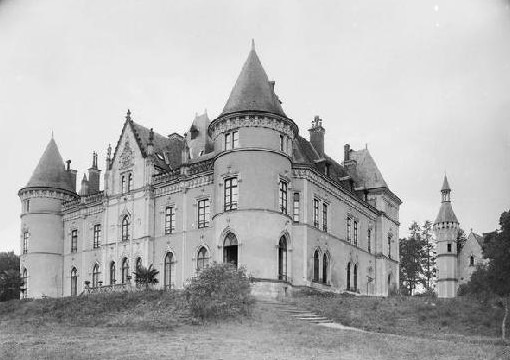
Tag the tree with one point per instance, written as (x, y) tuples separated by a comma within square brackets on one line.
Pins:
[(461, 239), (429, 252), (411, 255), (10, 281), (493, 280), (146, 276)]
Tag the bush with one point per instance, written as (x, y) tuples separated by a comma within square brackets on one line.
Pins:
[(219, 291)]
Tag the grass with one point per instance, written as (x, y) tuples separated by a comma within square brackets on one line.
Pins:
[(156, 324), (411, 316)]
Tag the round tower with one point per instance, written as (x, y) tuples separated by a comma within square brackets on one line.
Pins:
[(42, 232), (253, 138), (446, 229)]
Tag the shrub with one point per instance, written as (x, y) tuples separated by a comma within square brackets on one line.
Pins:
[(219, 291)]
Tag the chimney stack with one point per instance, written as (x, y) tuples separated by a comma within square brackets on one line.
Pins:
[(317, 135), (347, 152), (94, 176)]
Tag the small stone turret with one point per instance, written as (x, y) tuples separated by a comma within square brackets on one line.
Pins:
[(42, 233), (446, 229), (94, 176)]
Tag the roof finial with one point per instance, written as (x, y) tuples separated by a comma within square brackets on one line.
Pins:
[(128, 115), (253, 44), (52, 134)]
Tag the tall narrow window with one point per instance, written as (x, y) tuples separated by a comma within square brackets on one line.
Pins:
[(295, 215), (74, 241), (349, 229), (324, 217), (125, 228), (27, 206), (235, 139), (228, 141), (389, 246), (112, 273), (325, 268), (355, 233), (95, 276), (316, 265), (316, 212), (130, 182), (125, 270), (449, 247), (26, 236), (230, 249), (283, 197), (231, 140), (123, 184), (355, 288), (24, 284), (282, 259), (282, 143), (74, 282), (169, 220), (138, 263), (231, 194), (471, 260), (204, 213), (202, 259), (369, 240), (349, 276), (169, 257), (97, 236)]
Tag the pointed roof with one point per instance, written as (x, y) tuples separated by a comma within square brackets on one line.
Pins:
[(50, 171), (366, 170), (446, 214), (446, 186), (253, 91)]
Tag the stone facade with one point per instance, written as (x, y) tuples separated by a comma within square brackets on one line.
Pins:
[(245, 188)]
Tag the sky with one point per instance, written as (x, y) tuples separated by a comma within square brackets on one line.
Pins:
[(425, 85)]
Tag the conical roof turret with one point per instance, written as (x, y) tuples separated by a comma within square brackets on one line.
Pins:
[(253, 91), (50, 171), (446, 213), (446, 186)]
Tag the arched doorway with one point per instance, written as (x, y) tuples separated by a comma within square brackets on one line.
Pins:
[(355, 277), (125, 270), (74, 282), (95, 276), (169, 260), (230, 249), (316, 265), (112, 273), (325, 268), (282, 259), (349, 276)]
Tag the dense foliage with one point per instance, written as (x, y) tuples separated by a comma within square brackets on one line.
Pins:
[(10, 281), (492, 281), (146, 276), (219, 291)]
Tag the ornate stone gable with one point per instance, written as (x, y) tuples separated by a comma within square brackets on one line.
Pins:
[(126, 158)]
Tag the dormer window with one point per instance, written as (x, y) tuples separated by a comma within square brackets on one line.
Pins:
[(231, 140)]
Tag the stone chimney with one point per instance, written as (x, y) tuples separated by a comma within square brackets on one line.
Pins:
[(317, 135), (72, 174), (94, 176)]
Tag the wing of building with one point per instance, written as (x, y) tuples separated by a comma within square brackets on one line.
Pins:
[(244, 188)]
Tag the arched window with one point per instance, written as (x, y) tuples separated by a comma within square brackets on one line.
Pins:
[(389, 283), (282, 259), (325, 268), (355, 278), (112, 273), (74, 282), (130, 182), (316, 265), (138, 263), (125, 270), (349, 276), (125, 228), (123, 184), (389, 246), (24, 285), (169, 261), (471, 260), (95, 276), (202, 258), (230, 249)]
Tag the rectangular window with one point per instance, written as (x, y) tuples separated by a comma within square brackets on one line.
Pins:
[(315, 212), (232, 140), (130, 182), (296, 208), (97, 236), (27, 206), (369, 240), (230, 195), (204, 213), (169, 220), (74, 240), (326, 169), (349, 230), (123, 184), (324, 217), (355, 233), (282, 143), (389, 246), (26, 235), (283, 197), (449, 245)]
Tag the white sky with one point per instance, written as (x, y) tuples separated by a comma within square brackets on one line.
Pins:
[(425, 83)]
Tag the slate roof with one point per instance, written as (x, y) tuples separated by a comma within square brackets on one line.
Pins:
[(446, 186), (446, 213), (478, 238), (50, 171), (253, 91), (366, 173)]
